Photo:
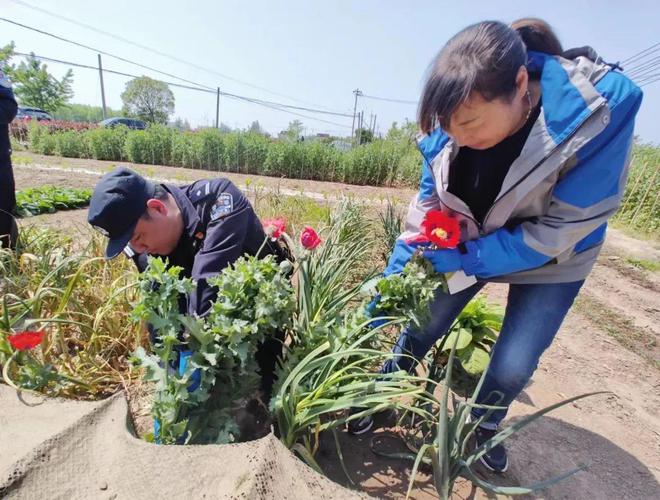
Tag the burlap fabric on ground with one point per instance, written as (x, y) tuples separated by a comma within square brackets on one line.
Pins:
[(53, 448)]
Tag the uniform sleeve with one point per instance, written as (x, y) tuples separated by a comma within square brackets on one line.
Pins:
[(582, 200), (223, 244), (8, 105)]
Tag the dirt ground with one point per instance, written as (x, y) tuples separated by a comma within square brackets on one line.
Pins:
[(610, 341)]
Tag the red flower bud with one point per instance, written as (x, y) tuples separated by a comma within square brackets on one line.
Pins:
[(309, 239)]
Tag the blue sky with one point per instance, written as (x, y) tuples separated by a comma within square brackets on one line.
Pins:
[(313, 52)]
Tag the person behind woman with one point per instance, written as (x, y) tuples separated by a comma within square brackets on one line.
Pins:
[(528, 147), (8, 108)]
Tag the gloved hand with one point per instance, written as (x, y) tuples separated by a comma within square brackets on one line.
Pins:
[(401, 255), (444, 260), (372, 313), (196, 378)]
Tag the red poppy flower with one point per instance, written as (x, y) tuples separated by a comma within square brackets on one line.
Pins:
[(309, 239), (23, 341), (441, 229), (274, 227)]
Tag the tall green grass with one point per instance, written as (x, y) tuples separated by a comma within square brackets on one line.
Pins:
[(640, 207), (379, 163)]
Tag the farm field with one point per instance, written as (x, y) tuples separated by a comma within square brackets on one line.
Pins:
[(609, 342)]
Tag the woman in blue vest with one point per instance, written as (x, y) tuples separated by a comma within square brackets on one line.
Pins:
[(527, 146)]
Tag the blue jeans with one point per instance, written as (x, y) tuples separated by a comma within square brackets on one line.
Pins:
[(533, 316)]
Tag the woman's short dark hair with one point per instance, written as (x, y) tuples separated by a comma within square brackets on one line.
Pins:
[(484, 58)]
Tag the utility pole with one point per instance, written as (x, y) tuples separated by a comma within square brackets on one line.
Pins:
[(357, 93), (217, 110), (360, 125), (373, 130), (102, 88)]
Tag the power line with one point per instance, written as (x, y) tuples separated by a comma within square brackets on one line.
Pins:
[(641, 53), (650, 81), (106, 70), (650, 73), (643, 63), (400, 101), (57, 37), (288, 106), (160, 53), (648, 77), (210, 91), (164, 73), (267, 104), (278, 108), (646, 69)]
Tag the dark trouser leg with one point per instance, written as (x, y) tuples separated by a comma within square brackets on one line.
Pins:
[(7, 204), (267, 355), (533, 316), (412, 345)]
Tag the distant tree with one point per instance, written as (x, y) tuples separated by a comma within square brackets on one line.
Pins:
[(294, 131), (6, 53), (84, 113), (33, 84), (255, 128), (148, 99), (181, 124), (405, 133), (225, 128), (364, 135)]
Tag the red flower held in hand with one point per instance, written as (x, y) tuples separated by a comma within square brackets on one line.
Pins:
[(309, 239), (274, 227), (440, 229), (23, 341)]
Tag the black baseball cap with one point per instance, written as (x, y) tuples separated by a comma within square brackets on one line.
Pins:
[(119, 200)]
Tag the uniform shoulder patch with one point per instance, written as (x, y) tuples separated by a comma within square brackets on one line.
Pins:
[(200, 191), (223, 206)]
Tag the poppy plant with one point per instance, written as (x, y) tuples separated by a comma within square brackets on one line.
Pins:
[(24, 341), (309, 239)]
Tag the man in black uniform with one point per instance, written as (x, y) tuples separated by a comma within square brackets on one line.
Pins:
[(202, 227), (8, 108)]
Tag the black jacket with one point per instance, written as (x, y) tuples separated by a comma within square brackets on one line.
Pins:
[(220, 226), (8, 109)]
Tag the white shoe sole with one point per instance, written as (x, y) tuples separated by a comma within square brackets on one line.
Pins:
[(362, 431), (483, 462)]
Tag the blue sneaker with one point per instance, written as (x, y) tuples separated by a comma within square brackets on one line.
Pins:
[(494, 459)]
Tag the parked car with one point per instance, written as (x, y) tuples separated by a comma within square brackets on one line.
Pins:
[(131, 123), (27, 113)]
